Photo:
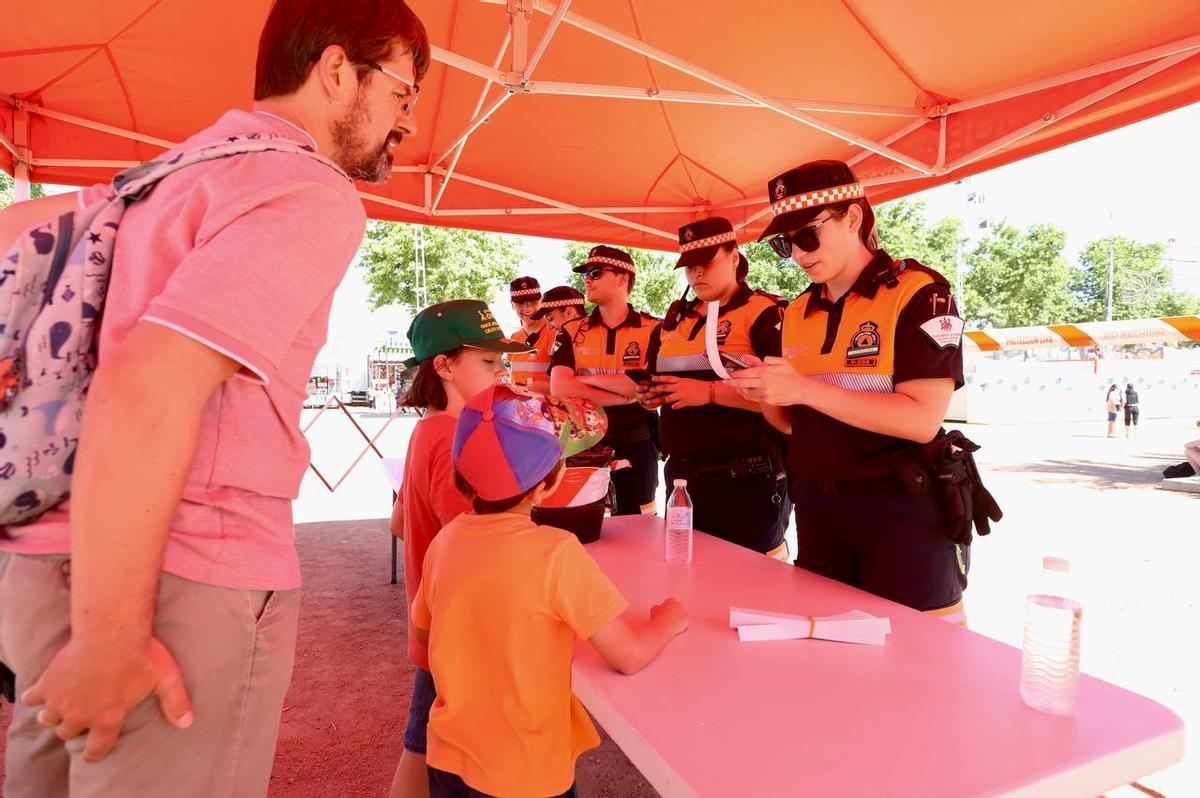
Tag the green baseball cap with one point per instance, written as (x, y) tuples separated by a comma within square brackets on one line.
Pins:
[(446, 326)]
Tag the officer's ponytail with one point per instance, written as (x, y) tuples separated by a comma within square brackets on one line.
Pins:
[(867, 231)]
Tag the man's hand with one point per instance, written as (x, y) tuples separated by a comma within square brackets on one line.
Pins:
[(650, 397), (773, 383), (91, 690), (681, 392), (671, 615)]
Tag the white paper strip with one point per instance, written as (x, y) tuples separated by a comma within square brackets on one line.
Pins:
[(710, 339)]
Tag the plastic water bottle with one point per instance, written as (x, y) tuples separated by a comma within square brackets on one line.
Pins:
[(1050, 652), (679, 524)]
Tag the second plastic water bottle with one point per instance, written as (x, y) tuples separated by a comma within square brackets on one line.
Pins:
[(1050, 652), (679, 524)]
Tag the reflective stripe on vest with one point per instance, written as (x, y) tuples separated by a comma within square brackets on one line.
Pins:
[(533, 367), (682, 348), (591, 346), (862, 355)]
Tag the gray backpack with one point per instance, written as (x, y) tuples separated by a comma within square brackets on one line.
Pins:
[(52, 286)]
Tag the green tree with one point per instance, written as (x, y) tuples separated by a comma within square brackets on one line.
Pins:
[(1142, 282), (656, 286), (904, 233), (774, 275), (8, 190), (1019, 277), (459, 264)]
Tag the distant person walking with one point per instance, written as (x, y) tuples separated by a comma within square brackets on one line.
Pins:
[(1112, 404), (1131, 410)]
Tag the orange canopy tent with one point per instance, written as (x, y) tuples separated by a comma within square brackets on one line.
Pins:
[(619, 120)]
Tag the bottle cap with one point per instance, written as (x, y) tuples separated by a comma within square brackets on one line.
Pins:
[(680, 483), (1056, 564)]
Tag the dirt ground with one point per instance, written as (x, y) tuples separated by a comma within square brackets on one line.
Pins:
[(1066, 490)]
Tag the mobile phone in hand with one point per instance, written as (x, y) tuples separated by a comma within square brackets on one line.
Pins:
[(733, 362), (640, 376)]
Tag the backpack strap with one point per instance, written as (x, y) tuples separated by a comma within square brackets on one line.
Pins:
[(134, 183)]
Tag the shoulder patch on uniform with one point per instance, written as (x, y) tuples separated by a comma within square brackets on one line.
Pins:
[(945, 331)]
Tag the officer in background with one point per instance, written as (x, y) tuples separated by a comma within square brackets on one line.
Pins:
[(871, 355), (531, 369), (590, 359), (560, 304), (732, 458)]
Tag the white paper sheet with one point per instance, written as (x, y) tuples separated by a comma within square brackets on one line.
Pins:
[(854, 626)]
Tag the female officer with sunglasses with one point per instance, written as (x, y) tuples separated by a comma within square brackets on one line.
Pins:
[(871, 355)]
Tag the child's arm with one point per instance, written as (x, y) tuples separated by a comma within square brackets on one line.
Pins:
[(397, 523), (630, 646), (422, 635)]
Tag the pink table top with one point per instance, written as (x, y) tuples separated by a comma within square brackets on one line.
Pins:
[(934, 712)]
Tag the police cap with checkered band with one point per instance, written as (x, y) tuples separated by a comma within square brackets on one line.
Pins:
[(700, 241), (799, 195)]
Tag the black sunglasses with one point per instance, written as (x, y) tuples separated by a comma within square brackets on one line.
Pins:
[(806, 238), (592, 275)]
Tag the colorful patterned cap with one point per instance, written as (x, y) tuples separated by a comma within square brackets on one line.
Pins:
[(798, 195), (507, 440)]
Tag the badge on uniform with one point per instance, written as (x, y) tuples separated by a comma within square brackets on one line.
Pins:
[(864, 346), (723, 330), (945, 331), (633, 354)]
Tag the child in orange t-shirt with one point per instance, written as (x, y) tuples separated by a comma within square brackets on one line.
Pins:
[(502, 601)]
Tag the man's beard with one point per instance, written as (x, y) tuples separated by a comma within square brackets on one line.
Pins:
[(358, 159)]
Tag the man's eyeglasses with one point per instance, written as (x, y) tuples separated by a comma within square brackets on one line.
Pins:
[(410, 97), (591, 275), (806, 238)]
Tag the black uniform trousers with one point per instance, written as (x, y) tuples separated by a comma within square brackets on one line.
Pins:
[(885, 542), (637, 485), (750, 510)]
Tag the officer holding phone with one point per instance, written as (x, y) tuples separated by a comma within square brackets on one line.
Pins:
[(733, 459), (872, 352)]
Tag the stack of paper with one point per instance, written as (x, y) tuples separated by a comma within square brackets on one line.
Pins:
[(855, 626)]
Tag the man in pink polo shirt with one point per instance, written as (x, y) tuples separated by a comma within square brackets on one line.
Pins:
[(151, 625)]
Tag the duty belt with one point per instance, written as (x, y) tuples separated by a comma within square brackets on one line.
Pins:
[(758, 465), (853, 487)]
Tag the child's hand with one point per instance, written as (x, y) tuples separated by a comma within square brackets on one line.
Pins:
[(672, 615)]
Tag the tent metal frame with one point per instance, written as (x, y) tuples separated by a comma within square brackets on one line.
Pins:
[(443, 169)]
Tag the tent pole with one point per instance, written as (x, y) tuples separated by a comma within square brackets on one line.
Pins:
[(551, 87), (1189, 45), (519, 12), (653, 53), (474, 125), (84, 162), (478, 107), (464, 64), (1050, 117), (899, 134), (22, 157), (91, 125), (544, 42)]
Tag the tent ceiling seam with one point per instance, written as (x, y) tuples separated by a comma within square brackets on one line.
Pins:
[(154, 4), (662, 107), (441, 96), (887, 50)]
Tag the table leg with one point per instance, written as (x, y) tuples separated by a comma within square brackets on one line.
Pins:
[(393, 537)]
